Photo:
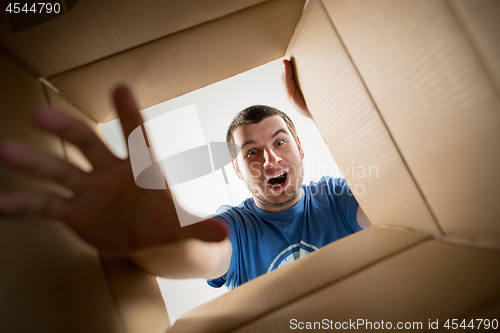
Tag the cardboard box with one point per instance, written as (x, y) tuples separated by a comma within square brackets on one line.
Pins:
[(411, 87)]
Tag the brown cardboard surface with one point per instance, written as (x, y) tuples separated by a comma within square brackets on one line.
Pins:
[(137, 296), (486, 310), (437, 102), (291, 283), (96, 29), (50, 281), (19, 94), (480, 21), (188, 60), (352, 127), (432, 280), (72, 153)]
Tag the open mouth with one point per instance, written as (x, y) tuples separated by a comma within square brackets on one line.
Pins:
[(278, 180)]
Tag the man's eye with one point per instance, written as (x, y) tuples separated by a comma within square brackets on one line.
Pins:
[(252, 152), (280, 142)]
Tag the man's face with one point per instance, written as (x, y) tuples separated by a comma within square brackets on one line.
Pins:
[(270, 163)]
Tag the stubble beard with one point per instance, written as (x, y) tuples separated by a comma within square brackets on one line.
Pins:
[(260, 188)]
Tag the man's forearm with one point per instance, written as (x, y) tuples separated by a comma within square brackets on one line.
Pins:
[(186, 259)]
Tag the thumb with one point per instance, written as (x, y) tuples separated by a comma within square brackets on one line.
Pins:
[(287, 79), (287, 70)]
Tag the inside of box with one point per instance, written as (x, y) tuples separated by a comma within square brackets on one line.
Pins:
[(410, 87)]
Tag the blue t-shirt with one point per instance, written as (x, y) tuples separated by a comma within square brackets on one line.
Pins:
[(264, 241)]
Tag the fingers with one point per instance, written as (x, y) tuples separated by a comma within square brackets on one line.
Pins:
[(76, 132), (292, 91), (288, 70), (287, 79), (29, 160), (38, 203), (127, 109)]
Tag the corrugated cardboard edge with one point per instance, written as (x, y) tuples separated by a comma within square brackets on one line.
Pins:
[(426, 282), (437, 102), (97, 29), (185, 61), (289, 284), (353, 127)]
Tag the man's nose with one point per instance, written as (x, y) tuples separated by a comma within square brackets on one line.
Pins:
[(270, 158)]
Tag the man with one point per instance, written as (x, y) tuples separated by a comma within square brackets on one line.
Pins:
[(283, 220), (110, 212)]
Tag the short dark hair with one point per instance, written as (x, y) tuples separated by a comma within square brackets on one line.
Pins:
[(253, 115)]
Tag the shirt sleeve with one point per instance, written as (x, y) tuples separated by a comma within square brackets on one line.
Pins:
[(346, 202)]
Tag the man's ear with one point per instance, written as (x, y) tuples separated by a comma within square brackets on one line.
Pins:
[(299, 145), (236, 169)]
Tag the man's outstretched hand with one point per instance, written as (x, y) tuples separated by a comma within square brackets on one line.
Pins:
[(292, 91), (108, 209)]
